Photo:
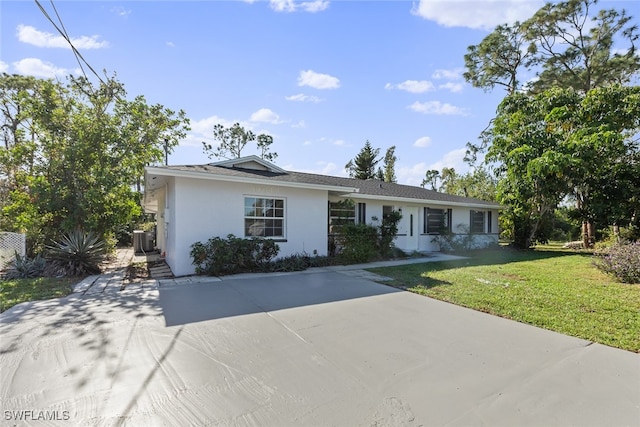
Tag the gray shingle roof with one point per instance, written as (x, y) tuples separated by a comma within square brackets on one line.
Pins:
[(367, 187)]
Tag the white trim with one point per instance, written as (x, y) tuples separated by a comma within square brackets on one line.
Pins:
[(420, 201), (228, 178), (283, 218), (248, 159)]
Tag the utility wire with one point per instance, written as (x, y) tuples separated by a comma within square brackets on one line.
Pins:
[(64, 34)]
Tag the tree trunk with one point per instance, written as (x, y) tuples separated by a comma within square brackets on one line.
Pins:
[(616, 233), (585, 234)]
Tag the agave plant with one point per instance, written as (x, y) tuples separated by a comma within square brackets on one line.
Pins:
[(77, 253), (23, 267)]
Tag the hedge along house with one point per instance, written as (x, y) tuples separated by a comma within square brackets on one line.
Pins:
[(251, 197)]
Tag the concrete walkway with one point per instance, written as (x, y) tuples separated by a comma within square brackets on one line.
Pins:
[(112, 279), (306, 349)]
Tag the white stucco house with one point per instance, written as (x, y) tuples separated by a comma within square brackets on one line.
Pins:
[(252, 197)]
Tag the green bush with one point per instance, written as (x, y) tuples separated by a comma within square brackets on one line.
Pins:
[(233, 255), (76, 254), (23, 267), (387, 231), (296, 262), (622, 261), (359, 243)]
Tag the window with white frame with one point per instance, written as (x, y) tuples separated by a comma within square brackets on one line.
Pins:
[(476, 221), (263, 217), (342, 212), (437, 221)]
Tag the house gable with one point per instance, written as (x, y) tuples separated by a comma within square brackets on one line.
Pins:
[(251, 163)]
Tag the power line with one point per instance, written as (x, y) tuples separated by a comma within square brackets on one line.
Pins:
[(63, 32)]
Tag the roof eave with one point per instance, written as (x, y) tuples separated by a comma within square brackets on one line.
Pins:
[(264, 181), (487, 205)]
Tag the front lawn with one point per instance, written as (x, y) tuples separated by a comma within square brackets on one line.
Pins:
[(550, 288), (15, 291)]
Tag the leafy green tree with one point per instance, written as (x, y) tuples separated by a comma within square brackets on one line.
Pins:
[(363, 166), (232, 140), (431, 178), (389, 161), (498, 59), (565, 43), (264, 143), (562, 143), (568, 46), (75, 153), (576, 48), (477, 183)]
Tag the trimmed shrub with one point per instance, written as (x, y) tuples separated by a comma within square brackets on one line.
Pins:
[(76, 254), (232, 255), (622, 261), (23, 267), (360, 243)]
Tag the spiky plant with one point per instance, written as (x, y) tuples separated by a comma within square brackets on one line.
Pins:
[(23, 267), (77, 253)]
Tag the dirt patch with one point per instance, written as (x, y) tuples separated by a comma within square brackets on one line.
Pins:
[(137, 272)]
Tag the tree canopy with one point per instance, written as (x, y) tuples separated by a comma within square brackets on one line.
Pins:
[(74, 154), (569, 132), (363, 166), (389, 161), (562, 143), (565, 44), (233, 139)]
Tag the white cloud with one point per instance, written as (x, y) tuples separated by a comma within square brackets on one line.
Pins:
[(452, 159), (31, 35), (339, 142), (452, 86), (485, 14), (317, 80), (3, 67), (323, 168), (202, 130), (265, 115), (452, 74), (424, 141), (414, 174), (307, 142), (121, 11), (300, 124), (436, 107), (301, 97), (412, 86), (170, 44), (293, 6), (38, 68), (411, 175)]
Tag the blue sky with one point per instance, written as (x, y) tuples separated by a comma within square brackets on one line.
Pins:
[(321, 77)]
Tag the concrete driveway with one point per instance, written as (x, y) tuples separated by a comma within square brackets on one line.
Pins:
[(301, 349)]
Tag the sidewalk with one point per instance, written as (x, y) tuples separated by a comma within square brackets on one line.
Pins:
[(113, 278)]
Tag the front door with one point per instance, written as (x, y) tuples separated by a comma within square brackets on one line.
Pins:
[(409, 227)]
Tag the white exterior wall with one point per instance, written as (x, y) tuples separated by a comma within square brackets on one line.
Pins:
[(161, 222), (201, 209), (170, 223), (428, 242)]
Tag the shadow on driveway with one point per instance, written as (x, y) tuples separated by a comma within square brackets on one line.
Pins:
[(182, 304)]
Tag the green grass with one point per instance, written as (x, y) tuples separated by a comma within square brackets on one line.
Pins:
[(15, 291), (550, 288)]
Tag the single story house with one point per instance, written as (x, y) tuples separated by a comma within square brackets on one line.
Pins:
[(251, 197)]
